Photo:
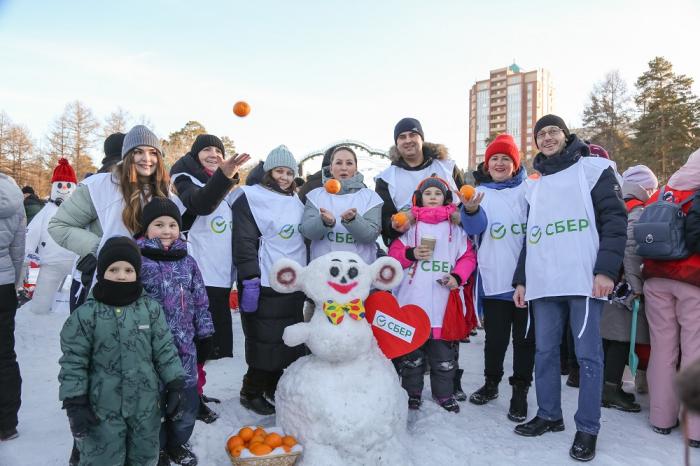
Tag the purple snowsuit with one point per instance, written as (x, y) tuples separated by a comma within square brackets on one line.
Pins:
[(176, 283)]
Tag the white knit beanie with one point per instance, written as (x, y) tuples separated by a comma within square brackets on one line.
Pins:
[(280, 157), (640, 175)]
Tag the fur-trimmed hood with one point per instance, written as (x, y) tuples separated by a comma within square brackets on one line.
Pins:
[(430, 151)]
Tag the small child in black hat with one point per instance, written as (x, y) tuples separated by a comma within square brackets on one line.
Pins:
[(117, 347)]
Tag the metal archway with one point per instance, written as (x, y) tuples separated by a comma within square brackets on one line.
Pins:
[(345, 142)]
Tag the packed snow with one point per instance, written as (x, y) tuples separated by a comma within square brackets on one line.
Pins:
[(478, 435)]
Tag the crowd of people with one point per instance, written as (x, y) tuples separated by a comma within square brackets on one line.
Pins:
[(553, 259)]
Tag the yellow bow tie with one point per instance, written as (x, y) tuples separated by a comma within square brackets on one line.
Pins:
[(336, 311)]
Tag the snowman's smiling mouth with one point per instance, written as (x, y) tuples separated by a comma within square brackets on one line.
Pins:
[(342, 288)]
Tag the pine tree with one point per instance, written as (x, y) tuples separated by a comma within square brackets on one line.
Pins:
[(608, 117), (668, 128), (180, 141)]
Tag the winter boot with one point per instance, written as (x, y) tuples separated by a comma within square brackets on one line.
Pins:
[(614, 397), (538, 426), (583, 448), (414, 402), (182, 455), (640, 382), (518, 402), (258, 404), (75, 456), (488, 392), (458, 392), (163, 459), (204, 413), (8, 434), (573, 380), (448, 404), (665, 430), (694, 443)]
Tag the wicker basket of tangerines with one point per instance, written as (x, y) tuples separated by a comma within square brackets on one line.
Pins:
[(255, 446)]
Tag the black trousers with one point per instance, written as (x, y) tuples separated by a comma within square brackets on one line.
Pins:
[(443, 365), (259, 381), (10, 379), (567, 349), (500, 318), (616, 354), (222, 346), (75, 299)]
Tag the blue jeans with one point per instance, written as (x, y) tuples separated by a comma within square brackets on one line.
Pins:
[(550, 319), (176, 433)]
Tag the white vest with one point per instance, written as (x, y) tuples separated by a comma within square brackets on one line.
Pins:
[(277, 217), (421, 289), (506, 211), (109, 205), (403, 183), (209, 241), (339, 239), (39, 240), (562, 239)]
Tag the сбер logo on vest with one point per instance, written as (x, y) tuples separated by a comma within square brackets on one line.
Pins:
[(218, 224)]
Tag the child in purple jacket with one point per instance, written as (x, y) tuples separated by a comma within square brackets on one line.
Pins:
[(172, 277)]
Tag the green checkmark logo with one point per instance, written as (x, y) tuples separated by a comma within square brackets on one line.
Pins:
[(535, 235), (498, 230), (218, 224), (286, 231)]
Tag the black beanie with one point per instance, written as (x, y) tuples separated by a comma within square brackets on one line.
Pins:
[(203, 141), (550, 120), (432, 182), (408, 124), (115, 249), (113, 145), (158, 207), (28, 190)]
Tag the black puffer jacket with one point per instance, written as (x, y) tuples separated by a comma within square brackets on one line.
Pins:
[(263, 329), (199, 200), (610, 211), (692, 226), (430, 152)]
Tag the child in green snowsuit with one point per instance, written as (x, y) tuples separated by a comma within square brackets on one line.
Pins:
[(116, 348)]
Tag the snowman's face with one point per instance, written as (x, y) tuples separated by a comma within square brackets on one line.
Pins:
[(62, 190)]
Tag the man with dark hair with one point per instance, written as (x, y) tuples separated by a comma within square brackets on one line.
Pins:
[(412, 160), (572, 254), (32, 203)]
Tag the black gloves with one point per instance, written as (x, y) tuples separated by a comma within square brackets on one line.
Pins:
[(174, 404), (80, 415), (87, 266), (204, 349)]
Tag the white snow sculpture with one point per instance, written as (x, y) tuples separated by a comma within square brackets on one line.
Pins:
[(343, 402)]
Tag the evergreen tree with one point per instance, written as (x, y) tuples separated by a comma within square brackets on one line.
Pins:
[(607, 117), (180, 141), (668, 128)]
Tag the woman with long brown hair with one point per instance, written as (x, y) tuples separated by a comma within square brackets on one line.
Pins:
[(110, 204)]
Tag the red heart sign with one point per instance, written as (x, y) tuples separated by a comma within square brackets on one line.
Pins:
[(398, 330)]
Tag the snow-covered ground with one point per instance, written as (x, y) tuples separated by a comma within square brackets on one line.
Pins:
[(478, 435)]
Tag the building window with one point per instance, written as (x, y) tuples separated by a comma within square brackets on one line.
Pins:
[(514, 111), (482, 120)]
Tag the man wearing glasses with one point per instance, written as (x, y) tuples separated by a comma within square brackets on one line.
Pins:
[(573, 250)]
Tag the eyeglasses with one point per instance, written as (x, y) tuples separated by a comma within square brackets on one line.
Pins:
[(551, 132)]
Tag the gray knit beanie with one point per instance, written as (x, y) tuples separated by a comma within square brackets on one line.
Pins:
[(280, 157), (139, 135)]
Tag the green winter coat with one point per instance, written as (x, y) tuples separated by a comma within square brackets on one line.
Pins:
[(116, 356)]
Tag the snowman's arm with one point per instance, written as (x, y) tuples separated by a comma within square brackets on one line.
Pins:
[(34, 233), (296, 334)]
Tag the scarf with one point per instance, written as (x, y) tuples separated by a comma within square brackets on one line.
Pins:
[(433, 215), (116, 293)]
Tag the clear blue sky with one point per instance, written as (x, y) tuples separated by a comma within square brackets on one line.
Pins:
[(318, 71)]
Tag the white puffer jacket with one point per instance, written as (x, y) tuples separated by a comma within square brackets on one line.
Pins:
[(13, 223)]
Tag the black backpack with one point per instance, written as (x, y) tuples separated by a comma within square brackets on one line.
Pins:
[(660, 230)]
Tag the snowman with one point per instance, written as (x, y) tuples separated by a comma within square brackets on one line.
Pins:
[(56, 262), (343, 402)]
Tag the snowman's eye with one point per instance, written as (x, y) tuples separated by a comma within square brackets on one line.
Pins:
[(335, 271), (352, 273), (60, 185), (68, 185)]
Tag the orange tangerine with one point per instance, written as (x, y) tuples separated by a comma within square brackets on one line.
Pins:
[(260, 431), (289, 441), (257, 439), (333, 186), (241, 108), (236, 451), (287, 448), (400, 219), (235, 441), (467, 191), (273, 439), (246, 433), (260, 449)]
